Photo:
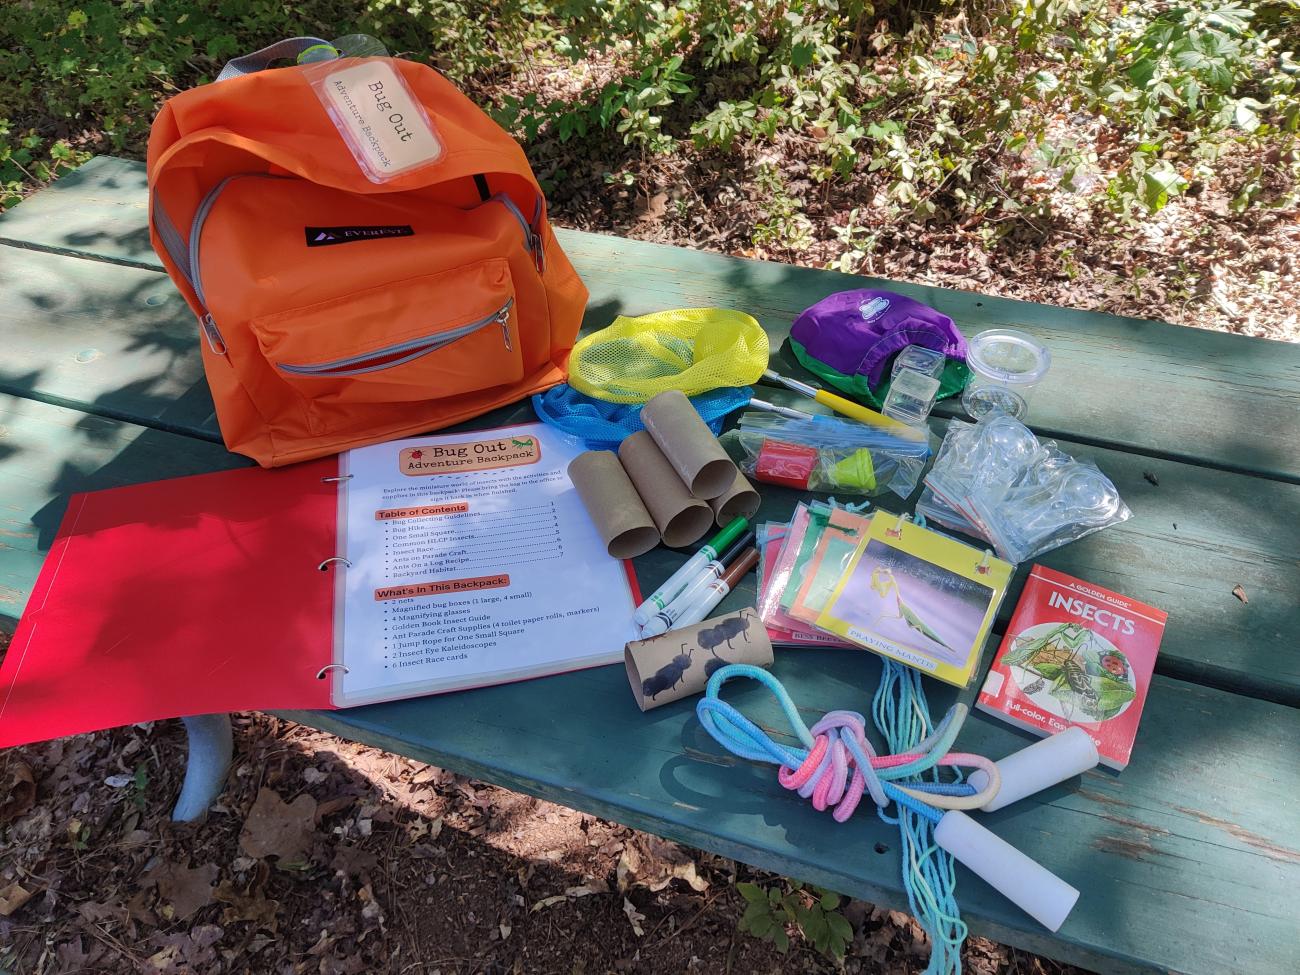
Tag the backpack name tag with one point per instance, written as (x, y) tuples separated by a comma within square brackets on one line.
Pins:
[(379, 118)]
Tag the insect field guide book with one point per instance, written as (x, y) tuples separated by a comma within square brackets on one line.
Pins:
[(1079, 655)]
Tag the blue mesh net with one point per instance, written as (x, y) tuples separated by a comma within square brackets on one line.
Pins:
[(603, 426)]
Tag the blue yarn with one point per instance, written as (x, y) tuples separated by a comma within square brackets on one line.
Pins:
[(902, 714), (603, 426)]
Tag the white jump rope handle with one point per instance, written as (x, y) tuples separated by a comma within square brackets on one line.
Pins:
[(1040, 766), (1033, 888)]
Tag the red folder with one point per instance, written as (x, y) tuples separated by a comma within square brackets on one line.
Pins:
[(189, 596), (195, 595)]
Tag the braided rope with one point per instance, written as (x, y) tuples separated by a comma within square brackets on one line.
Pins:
[(835, 766)]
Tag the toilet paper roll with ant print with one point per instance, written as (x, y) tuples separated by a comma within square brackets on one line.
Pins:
[(679, 663)]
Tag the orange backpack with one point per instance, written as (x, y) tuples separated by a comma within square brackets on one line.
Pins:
[(337, 311)]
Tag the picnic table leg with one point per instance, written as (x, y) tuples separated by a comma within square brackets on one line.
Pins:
[(211, 744)]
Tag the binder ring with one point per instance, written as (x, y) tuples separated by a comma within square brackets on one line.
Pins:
[(320, 674), (335, 558), (983, 568), (337, 477)]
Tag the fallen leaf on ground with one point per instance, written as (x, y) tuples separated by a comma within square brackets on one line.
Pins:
[(259, 909), (652, 862), (164, 962), (353, 861), (634, 916), (276, 828), (18, 786), (336, 805), (73, 957), (13, 897), (1240, 593), (185, 889), (1151, 478), (185, 952), (424, 827), (570, 894), (97, 913), (655, 208)]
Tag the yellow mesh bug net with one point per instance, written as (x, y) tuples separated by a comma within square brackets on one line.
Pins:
[(690, 349)]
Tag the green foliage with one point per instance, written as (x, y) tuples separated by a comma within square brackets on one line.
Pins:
[(784, 225), (105, 65), (948, 105), (26, 159), (947, 117), (769, 913)]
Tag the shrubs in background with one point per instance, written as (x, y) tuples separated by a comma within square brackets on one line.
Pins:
[(952, 101)]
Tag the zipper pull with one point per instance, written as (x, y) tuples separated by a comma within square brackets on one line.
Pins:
[(503, 319), (539, 256), (210, 332)]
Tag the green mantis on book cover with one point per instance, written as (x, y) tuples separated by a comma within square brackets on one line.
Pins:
[(1085, 673)]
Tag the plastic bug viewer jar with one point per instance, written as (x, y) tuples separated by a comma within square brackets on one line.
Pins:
[(1005, 366), (914, 384)]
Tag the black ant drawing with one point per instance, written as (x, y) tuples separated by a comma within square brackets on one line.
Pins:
[(669, 675), (724, 632)]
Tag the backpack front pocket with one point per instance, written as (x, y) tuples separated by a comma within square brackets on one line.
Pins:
[(422, 338)]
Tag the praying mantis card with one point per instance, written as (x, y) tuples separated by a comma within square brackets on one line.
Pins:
[(919, 597)]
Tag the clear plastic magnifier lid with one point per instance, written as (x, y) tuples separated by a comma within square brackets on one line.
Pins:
[(1008, 355)]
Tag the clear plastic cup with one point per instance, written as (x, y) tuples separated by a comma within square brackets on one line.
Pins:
[(914, 384), (1005, 366)]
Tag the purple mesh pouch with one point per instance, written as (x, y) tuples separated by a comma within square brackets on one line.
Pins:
[(856, 333)]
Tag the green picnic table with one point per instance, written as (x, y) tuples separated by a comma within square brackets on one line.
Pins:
[(1188, 861)]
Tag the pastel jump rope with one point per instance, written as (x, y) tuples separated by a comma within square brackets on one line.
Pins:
[(835, 765)]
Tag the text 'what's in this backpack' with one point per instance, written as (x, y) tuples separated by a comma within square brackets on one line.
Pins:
[(339, 304)]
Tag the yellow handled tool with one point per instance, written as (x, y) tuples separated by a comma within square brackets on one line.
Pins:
[(845, 407)]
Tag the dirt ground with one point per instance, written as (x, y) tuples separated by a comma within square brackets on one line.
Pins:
[(323, 856)]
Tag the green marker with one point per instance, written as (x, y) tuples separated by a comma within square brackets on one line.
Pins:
[(678, 581)]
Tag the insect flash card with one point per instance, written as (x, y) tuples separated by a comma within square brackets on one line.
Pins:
[(919, 597)]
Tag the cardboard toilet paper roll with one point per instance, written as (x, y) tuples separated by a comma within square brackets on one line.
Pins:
[(689, 444), (738, 501), (680, 517), (679, 663), (620, 517)]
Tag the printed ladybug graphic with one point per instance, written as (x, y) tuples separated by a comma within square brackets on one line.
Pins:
[(416, 454), (1115, 665)]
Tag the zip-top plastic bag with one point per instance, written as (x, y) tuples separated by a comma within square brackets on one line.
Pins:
[(827, 453), (1024, 495), (1070, 499)]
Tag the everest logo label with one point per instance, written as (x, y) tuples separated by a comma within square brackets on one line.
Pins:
[(324, 236)]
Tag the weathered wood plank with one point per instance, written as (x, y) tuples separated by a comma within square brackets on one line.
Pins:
[(106, 339), (1141, 385), (1187, 860), (100, 210), (117, 341), (48, 453)]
